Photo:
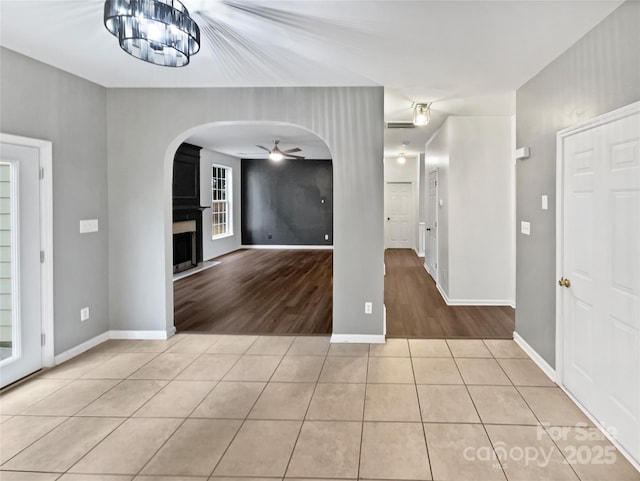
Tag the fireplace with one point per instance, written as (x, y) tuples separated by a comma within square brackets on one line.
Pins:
[(185, 254), (187, 211)]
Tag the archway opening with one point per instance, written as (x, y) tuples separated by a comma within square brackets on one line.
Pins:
[(258, 232)]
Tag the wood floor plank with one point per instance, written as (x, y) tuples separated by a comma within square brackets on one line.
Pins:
[(290, 292), (416, 309), (259, 292)]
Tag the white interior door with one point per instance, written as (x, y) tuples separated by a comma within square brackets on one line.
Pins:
[(431, 241), (20, 295), (399, 212), (600, 257)]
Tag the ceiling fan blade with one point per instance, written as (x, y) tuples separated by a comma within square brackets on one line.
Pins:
[(291, 151), (289, 156), (263, 148)]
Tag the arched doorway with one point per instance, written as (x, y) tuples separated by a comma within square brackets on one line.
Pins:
[(264, 231)]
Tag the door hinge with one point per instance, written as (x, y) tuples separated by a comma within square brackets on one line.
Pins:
[(41, 173), (436, 225), (41, 257), (43, 339), (436, 265)]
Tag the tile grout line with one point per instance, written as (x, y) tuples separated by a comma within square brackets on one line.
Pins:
[(364, 410), (424, 429), (540, 424), (484, 428), (246, 418), (306, 413)]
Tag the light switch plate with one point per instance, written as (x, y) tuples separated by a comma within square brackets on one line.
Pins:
[(88, 225), (525, 228), (545, 202)]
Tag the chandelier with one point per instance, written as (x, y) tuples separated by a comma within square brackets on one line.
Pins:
[(156, 31)]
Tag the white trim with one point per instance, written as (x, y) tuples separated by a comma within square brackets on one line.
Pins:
[(384, 320), (80, 348), (470, 302), (285, 247), (45, 157), (535, 357), (358, 338), (418, 253), (602, 428), (442, 293), (150, 335)]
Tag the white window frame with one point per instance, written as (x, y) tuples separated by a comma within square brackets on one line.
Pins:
[(228, 201)]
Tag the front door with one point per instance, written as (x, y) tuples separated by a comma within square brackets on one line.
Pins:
[(431, 244), (20, 296), (599, 291), (398, 225)]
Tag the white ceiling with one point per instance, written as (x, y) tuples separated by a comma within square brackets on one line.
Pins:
[(467, 57), (240, 139)]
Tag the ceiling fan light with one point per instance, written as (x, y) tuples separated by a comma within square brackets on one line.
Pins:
[(276, 156), (421, 114), (160, 32)]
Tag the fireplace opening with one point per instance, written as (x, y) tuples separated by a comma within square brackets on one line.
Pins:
[(184, 246)]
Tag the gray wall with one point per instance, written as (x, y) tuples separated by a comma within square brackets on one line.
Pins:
[(42, 102), (145, 128), (600, 73), (290, 201)]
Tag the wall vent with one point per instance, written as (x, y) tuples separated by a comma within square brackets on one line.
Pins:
[(400, 125)]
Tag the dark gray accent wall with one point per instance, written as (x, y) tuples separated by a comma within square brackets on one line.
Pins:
[(600, 73), (46, 103), (287, 203)]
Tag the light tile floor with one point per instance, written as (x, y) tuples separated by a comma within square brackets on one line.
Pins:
[(209, 407)]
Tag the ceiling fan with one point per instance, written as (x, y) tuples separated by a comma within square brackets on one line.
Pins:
[(277, 155)]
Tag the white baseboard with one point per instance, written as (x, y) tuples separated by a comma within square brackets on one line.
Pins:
[(148, 335), (105, 336), (286, 247), (441, 291), (418, 253), (384, 320), (80, 348), (471, 302), (358, 338), (535, 357)]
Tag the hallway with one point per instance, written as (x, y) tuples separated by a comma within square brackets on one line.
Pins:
[(415, 308)]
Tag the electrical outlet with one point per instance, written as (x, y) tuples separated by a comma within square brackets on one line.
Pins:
[(326, 237), (368, 307), (269, 236), (84, 314), (525, 228)]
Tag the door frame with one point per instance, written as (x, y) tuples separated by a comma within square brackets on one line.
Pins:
[(562, 135), (434, 275), (45, 157)]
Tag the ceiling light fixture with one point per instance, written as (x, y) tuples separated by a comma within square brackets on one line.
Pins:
[(401, 158), (276, 156), (421, 114), (156, 31)]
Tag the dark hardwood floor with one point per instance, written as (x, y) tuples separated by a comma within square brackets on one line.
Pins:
[(259, 292), (290, 292), (416, 309)]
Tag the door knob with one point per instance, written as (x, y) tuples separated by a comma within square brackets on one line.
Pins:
[(388, 219), (428, 228), (564, 282)]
